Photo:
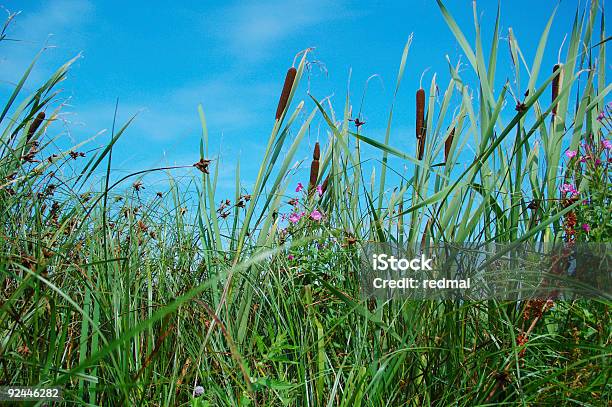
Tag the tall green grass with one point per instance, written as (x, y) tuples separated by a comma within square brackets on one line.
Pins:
[(125, 299)]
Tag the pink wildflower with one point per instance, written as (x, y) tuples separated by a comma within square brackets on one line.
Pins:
[(319, 190), (290, 257), (299, 187), (565, 188), (586, 227), (571, 154), (316, 215), (607, 144), (295, 217)]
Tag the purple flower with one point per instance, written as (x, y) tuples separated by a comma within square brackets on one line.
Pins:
[(607, 144), (565, 188), (319, 190), (571, 154), (600, 116), (290, 257), (316, 215), (597, 162), (586, 227), (198, 391), (583, 158), (299, 187)]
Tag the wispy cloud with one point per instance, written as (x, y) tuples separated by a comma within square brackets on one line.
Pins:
[(253, 30), (56, 26)]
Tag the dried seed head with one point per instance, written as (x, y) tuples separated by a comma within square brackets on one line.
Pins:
[(421, 147), (555, 87), (202, 165), (448, 144), (284, 97), (325, 185), (421, 128), (314, 169), (76, 154), (35, 125), (420, 114)]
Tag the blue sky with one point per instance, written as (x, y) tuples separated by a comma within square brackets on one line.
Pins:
[(163, 60)]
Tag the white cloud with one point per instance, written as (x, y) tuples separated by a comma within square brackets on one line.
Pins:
[(253, 30)]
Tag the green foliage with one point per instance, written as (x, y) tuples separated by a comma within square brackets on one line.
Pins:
[(128, 299)]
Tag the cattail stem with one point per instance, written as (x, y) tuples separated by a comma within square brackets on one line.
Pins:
[(421, 128), (35, 125), (284, 97), (448, 144), (555, 88), (314, 168)]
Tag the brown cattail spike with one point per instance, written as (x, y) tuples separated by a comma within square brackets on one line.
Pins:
[(35, 125), (421, 145), (448, 143), (314, 168), (420, 122), (316, 153), (284, 97), (325, 185), (420, 113), (555, 88)]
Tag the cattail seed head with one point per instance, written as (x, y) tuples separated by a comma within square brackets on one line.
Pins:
[(35, 125), (448, 143), (421, 147), (420, 113), (555, 87), (314, 168), (426, 233), (284, 97), (420, 122), (325, 185), (316, 154)]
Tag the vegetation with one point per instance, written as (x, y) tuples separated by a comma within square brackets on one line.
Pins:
[(127, 300)]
